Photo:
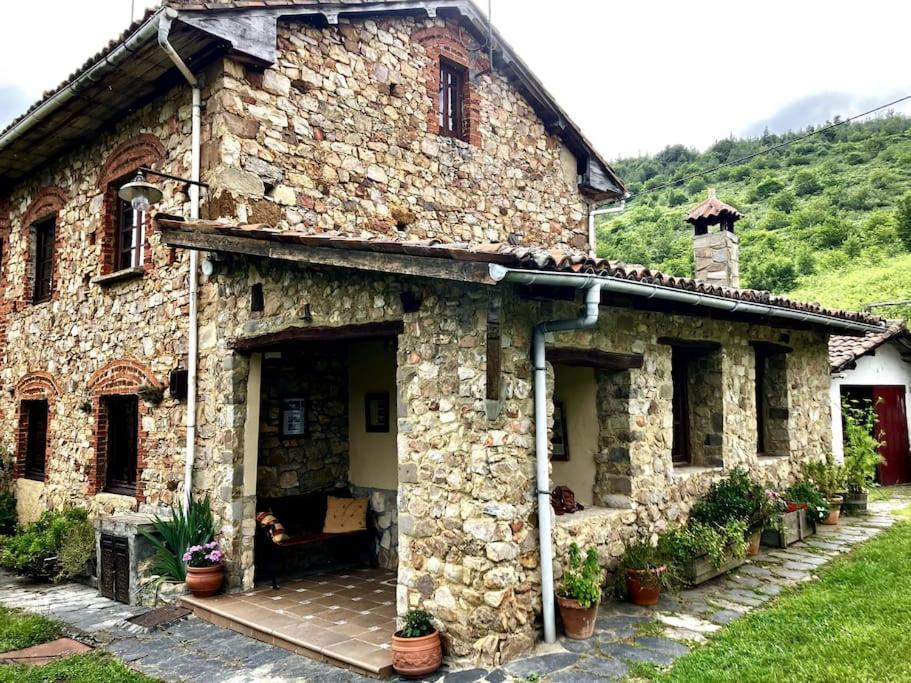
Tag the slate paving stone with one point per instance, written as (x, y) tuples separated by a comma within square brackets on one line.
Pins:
[(496, 676), (542, 664), (467, 676), (577, 676), (625, 652), (724, 617), (580, 646), (603, 666), (664, 645)]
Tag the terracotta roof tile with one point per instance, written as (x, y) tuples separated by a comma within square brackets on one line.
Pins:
[(845, 350), (712, 209), (532, 258)]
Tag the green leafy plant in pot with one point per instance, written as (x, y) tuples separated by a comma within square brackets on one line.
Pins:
[(416, 648), (174, 535), (829, 479), (862, 455), (804, 495), (642, 573), (580, 592), (736, 497)]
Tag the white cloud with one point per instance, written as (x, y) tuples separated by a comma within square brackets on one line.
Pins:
[(635, 75)]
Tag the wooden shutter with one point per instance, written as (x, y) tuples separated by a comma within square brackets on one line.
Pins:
[(44, 259)]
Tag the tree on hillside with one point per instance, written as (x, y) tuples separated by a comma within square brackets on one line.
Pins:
[(903, 220)]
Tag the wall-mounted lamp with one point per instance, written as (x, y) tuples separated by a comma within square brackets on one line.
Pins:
[(141, 194)]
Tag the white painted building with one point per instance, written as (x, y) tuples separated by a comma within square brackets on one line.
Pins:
[(876, 367)]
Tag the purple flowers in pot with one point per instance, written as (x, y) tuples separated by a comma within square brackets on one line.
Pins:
[(207, 555)]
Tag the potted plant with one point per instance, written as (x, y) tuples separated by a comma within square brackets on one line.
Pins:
[(580, 593), (205, 571), (829, 479), (642, 573), (862, 455), (416, 649), (736, 497)]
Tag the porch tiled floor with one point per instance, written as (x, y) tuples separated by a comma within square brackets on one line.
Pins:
[(346, 618)]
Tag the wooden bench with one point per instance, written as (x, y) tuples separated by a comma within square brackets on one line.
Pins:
[(303, 517)]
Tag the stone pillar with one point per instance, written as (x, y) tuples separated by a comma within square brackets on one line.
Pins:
[(707, 408), (716, 257), (614, 476)]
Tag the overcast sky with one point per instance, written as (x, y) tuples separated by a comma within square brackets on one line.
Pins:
[(635, 75)]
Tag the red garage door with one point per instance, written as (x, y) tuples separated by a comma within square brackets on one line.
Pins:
[(893, 426)]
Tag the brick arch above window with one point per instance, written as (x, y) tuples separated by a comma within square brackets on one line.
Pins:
[(445, 45), (124, 376), (48, 201), (36, 386), (141, 150)]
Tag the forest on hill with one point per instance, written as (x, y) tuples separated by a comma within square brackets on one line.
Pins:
[(827, 218)]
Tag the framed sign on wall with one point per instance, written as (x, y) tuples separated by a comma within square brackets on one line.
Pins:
[(376, 412), (294, 416)]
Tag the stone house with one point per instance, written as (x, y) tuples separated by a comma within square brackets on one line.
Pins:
[(393, 206)]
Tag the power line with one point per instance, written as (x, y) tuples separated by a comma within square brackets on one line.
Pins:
[(771, 148)]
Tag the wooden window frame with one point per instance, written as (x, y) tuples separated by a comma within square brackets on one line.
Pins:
[(451, 100), (45, 232), (122, 444), (681, 448), (31, 469)]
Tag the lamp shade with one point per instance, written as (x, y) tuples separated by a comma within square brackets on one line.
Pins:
[(140, 193)]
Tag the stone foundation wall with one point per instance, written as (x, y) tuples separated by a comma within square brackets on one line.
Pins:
[(383, 510)]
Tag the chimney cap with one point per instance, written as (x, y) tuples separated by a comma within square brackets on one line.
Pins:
[(712, 210)]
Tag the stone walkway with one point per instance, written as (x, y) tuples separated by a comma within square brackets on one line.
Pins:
[(193, 650)]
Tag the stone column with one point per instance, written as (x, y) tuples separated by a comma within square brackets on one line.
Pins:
[(717, 258)]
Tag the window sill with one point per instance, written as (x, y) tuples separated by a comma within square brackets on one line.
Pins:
[(588, 515), (122, 491), (770, 459), (119, 276), (684, 472)]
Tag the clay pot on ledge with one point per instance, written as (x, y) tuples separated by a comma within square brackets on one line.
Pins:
[(643, 586), (834, 510), (204, 582), (578, 621), (416, 657)]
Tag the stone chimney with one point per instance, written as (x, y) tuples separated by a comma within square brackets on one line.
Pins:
[(716, 254)]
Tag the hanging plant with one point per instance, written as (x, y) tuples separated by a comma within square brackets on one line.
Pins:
[(151, 395)]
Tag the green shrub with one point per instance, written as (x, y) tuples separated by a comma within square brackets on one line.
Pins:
[(78, 549), (694, 539), (582, 578), (861, 445), (803, 492), (35, 549), (826, 475), (175, 535), (735, 498), (8, 516), (641, 554)]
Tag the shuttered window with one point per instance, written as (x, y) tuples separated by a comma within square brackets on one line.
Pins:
[(34, 417), (45, 232), (452, 88), (122, 443), (680, 450)]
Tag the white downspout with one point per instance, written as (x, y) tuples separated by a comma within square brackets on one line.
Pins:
[(164, 29), (542, 462)]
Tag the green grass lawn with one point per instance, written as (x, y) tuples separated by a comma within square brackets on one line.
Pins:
[(853, 624), (19, 630)]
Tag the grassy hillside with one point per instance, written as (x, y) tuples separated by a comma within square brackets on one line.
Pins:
[(822, 219)]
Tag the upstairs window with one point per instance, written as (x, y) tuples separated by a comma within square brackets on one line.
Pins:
[(33, 421), (122, 413), (45, 233), (129, 236), (451, 103)]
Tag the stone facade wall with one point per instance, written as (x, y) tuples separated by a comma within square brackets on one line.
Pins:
[(717, 258), (341, 135), (706, 405), (317, 460), (88, 325)]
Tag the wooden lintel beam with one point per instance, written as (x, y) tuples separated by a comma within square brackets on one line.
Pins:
[(691, 344), (300, 335), (594, 358), (770, 347), (400, 264)]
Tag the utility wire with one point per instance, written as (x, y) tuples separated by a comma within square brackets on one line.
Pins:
[(771, 148)]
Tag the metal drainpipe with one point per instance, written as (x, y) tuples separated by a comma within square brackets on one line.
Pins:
[(164, 29), (542, 462)]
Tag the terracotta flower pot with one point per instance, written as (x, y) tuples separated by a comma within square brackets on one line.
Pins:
[(578, 621), (753, 539), (415, 657), (643, 586), (834, 510), (204, 582)]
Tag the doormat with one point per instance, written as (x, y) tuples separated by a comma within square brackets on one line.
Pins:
[(160, 617), (44, 653)]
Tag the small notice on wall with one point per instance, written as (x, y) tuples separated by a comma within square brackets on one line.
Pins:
[(294, 418)]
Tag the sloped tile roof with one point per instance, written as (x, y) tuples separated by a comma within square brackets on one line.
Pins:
[(512, 256), (845, 350), (712, 209)]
